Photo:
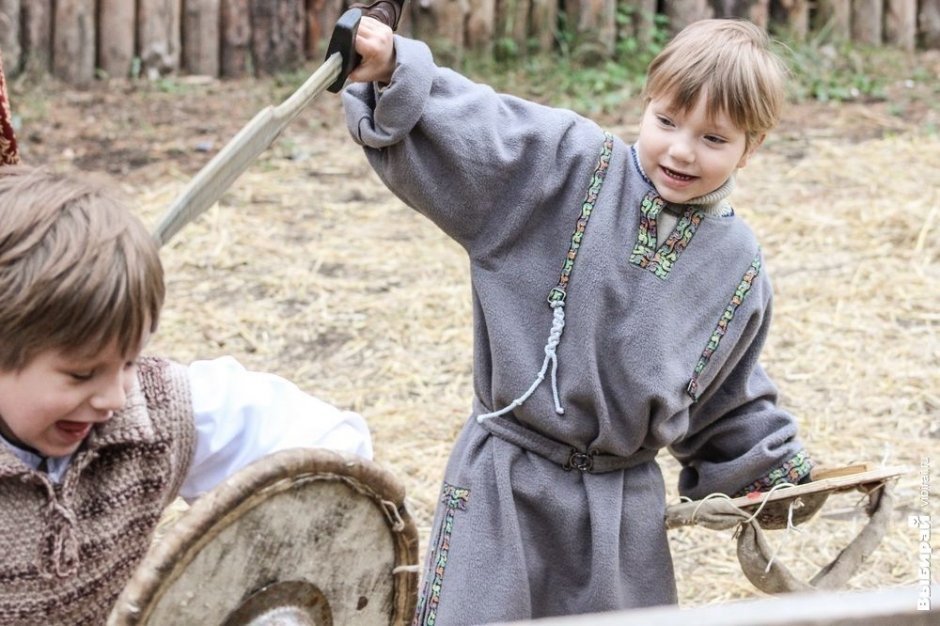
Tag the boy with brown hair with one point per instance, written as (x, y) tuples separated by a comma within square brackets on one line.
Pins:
[(95, 439), (651, 289)]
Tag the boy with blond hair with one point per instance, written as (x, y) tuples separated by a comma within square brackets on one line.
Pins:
[(96, 439), (653, 294)]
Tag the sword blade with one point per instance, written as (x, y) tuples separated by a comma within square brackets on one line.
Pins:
[(255, 137)]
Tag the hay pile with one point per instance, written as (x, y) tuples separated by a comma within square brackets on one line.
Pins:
[(311, 269)]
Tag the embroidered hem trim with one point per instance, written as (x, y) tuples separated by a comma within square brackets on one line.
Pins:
[(454, 499)]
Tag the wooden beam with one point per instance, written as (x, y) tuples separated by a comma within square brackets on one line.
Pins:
[(158, 36), (642, 24), (878, 607), (594, 29), (73, 49), (320, 16), (117, 23), (867, 16), (277, 34), (441, 24), (236, 38), (901, 23), (681, 14), (202, 50), (544, 24), (481, 24), (793, 15), (10, 45), (508, 31), (834, 15), (757, 11), (37, 36), (929, 23)]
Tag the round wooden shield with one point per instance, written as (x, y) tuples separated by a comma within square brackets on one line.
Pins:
[(299, 537)]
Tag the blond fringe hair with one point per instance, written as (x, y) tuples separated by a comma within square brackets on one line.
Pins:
[(77, 269), (732, 63)]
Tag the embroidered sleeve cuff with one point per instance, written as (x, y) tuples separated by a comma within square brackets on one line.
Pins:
[(795, 471)]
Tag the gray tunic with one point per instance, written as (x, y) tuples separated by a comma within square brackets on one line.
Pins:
[(659, 350)]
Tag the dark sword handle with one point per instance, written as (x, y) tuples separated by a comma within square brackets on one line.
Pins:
[(343, 39), (386, 11)]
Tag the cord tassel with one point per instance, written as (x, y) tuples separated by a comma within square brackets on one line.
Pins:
[(551, 356)]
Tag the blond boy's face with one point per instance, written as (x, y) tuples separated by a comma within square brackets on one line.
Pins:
[(52, 404), (686, 154)]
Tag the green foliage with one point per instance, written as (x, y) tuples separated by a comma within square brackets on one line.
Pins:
[(576, 77), (838, 70), (822, 69), (172, 85)]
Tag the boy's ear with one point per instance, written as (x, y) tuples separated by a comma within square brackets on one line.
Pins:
[(752, 149)]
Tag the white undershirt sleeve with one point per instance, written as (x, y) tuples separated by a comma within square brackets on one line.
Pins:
[(241, 416)]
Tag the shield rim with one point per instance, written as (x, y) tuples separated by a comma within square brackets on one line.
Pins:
[(212, 513)]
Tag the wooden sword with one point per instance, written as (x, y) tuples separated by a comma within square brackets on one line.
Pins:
[(256, 136)]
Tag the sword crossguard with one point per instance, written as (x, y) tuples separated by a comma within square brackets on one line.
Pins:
[(343, 39)]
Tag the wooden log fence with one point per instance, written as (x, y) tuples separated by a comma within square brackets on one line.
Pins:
[(81, 40)]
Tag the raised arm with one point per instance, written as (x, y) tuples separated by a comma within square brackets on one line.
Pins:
[(242, 416), (479, 164)]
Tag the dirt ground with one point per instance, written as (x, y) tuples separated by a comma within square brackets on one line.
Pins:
[(311, 269)]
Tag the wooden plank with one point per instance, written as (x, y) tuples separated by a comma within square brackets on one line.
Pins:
[(10, 45), (681, 14), (866, 21), (481, 24), (929, 23), (37, 36), (117, 23), (202, 21), (679, 514), (277, 34), (897, 606), (236, 38), (73, 49), (835, 17), (158, 36), (901, 23), (793, 15)]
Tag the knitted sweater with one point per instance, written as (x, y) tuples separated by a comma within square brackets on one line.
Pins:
[(69, 549)]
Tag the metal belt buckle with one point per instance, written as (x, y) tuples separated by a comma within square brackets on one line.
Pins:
[(581, 461)]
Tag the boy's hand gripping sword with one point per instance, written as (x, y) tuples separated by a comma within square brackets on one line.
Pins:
[(254, 138)]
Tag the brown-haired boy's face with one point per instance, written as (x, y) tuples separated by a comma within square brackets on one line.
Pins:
[(52, 404), (688, 154)]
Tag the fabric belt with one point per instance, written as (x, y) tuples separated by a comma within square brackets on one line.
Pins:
[(568, 457)]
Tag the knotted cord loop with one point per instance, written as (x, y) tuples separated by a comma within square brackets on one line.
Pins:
[(551, 356), (558, 294)]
